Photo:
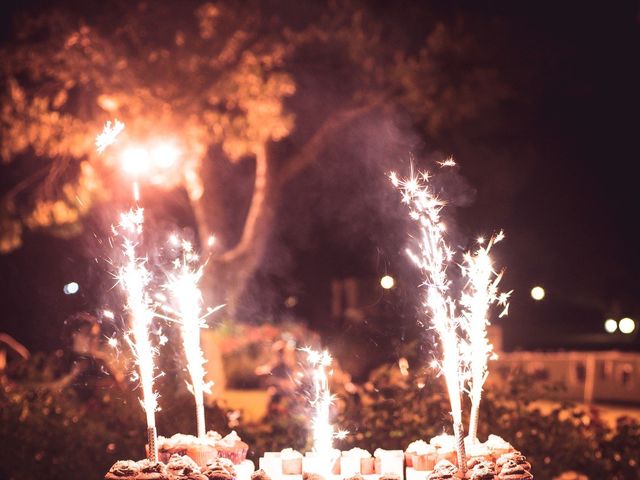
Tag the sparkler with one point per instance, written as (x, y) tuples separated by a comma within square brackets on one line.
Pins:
[(183, 285), (134, 278), (480, 293), (323, 431), (432, 258)]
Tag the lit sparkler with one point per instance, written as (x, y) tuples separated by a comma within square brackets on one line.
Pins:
[(109, 134), (480, 293), (183, 285), (134, 278), (323, 431), (433, 257)]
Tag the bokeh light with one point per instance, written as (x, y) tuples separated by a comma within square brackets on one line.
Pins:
[(71, 288), (627, 325), (610, 325), (387, 282), (537, 293)]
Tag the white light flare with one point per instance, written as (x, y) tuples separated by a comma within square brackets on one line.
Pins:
[(480, 292), (134, 278), (323, 431), (183, 286), (109, 135), (432, 258)]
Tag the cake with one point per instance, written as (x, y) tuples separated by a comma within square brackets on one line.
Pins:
[(512, 471), (498, 446), (152, 471), (483, 470), (201, 450), (220, 469), (123, 470), (444, 470), (516, 457), (445, 446)]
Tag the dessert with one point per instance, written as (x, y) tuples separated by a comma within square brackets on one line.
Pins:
[(389, 476), (201, 450), (357, 461), (423, 456), (233, 448), (445, 446), (389, 462), (312, 476), (516, 457), (152, 471), (443, 470), (477, 452), (483, 470), (123, 470), (291, 461), (260, 475), (498, 446), (220, 469), (181, 465), (512, 471)]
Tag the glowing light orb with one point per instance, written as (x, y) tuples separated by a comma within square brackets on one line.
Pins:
[(627, 325), (610, 325), (164, 155), (387, 282), (136, 161), (71, 288), (537, 293)]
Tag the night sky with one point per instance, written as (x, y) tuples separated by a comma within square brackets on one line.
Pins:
[(554, 167)]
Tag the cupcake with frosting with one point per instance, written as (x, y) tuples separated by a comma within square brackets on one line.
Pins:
[(233, 448), (152, 471), (123, 470), (483, 470), (444, 470), (445, 446), (260, 475), (512, 471), (357, 461), (180, 465), (423, 456), (477, 452), (498, 446), (201, 450), (291, 462), (516, 457), (220, 469), (388, 461)]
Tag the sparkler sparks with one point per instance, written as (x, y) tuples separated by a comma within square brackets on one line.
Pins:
[(134, 278), (480, 293), (183, 285), (323, 431), (109, 134), (433, 258)]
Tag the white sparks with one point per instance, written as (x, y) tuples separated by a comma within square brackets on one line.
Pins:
[(481, 291), (109, 135)]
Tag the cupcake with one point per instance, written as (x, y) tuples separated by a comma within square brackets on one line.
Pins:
[(123, 470), (260, 475), (445, 446), (476, 453), (152, 471), (512, 471), (482, 471), (291, 462), (233, 448), (181, 465), (389, 461), (312, 476), (423, 456), (357, 476), (498, 446), (444, 470), (175, 445), (220, 469), (516, 457), (389, 476), (357, 461)]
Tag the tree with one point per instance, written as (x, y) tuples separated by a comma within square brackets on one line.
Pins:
[(230, 78)]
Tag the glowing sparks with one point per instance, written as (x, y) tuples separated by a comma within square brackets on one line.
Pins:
[(480, 293), (432, 258), (183, 285), (323, 431), (134, 278), (449, 162), (109, 135)]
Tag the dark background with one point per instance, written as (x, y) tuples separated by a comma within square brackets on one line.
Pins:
[(555, 168)]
